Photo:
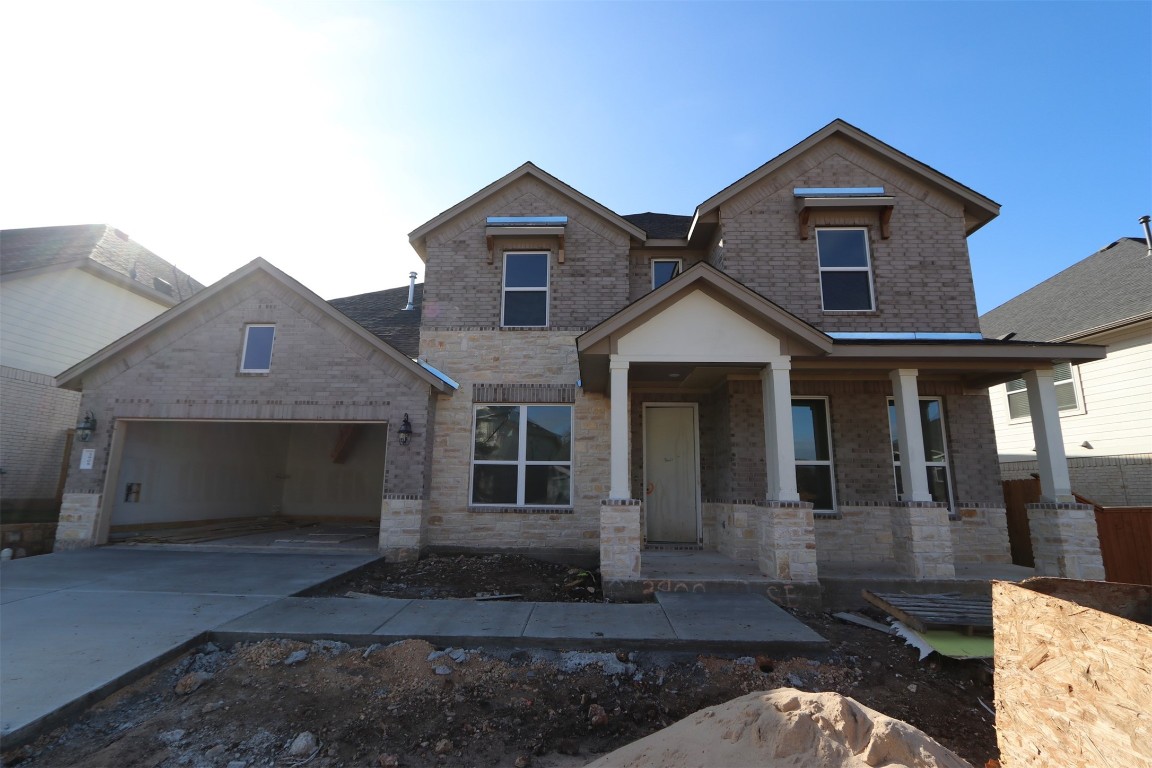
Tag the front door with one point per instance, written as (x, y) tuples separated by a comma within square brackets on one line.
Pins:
[(671, 474)]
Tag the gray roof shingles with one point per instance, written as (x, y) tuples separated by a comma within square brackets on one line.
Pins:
[(36, 247), (382, 313), (661, 226), (1110, 286)]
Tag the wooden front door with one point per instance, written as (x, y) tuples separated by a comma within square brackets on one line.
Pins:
[(671, 474)]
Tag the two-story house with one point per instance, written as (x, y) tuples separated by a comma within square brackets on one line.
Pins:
[(65, 292), (792, 379)]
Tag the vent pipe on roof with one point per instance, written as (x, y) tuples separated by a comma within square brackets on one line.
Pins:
[(411, 291), (1147, 233)]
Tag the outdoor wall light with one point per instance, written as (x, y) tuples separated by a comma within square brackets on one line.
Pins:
[(86, 427), (405, 432)]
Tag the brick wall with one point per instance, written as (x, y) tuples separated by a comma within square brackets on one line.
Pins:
[(462, 290), (35, 418), (1110, 481), (495, 357), (922, 275)]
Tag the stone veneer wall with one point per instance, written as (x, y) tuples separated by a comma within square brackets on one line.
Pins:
[(1065, 541), (735, 529), (862, 534), (788, 541), (492, 356), (621, 540), (980, 534), (922, 541)]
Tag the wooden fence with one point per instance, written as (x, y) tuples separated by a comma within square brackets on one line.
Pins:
[(1125, 533)]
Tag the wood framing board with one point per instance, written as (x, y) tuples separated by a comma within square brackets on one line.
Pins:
[(937, 611)]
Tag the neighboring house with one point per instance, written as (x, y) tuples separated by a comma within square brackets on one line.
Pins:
[(65, 292), (733, 381), (1105, 405)]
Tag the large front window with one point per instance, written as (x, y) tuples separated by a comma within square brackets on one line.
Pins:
[(525, 290), (935, 448), (812, 441), (845, 269), (522, 456)]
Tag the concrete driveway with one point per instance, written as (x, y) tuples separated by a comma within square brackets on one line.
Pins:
[(76, 626)]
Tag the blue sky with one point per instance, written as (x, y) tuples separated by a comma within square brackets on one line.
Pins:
[(317, 135)]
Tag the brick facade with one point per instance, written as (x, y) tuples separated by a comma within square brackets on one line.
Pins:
[(35, 418)]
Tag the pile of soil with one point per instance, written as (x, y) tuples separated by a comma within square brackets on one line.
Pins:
[(324, 704), (503, 576)]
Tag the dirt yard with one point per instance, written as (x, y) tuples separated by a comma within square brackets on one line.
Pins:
[(287, 703)]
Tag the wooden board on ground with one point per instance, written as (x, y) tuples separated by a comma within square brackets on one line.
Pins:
[(938, 611)]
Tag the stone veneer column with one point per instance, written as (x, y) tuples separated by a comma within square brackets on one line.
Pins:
[(401, 526), (79, 515), (1065, 542), (620, 539), (922, 540), (788, 541)]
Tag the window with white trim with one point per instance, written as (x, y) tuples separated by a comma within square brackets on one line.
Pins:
[(812, 443), (845, 269), (257, 354), (1066, 399), (664, 270), (522, 456), (525, 301), (935, 449)]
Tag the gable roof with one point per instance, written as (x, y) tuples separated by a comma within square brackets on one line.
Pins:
[(416, 237), (1111, 287), (73, 377), (84, 245), (979, 210), (383, 313)]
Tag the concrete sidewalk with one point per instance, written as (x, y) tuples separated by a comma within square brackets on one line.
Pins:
[(76, 626)]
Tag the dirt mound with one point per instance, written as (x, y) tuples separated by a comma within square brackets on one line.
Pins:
[(785, 728)]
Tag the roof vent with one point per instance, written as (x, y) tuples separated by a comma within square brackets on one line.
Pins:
[(163, 286), (411, 292)]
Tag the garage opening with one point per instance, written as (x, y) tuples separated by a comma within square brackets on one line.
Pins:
[(312, 485)]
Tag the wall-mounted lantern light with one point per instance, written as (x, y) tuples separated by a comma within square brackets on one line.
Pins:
[(86, 427), (405, 432)]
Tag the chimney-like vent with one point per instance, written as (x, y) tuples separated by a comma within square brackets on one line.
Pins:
[(411, 292), (1147, 234), (163, 286)]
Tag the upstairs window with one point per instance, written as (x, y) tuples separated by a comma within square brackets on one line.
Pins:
[(522, 456), (525, 303), (257, 354), (845, 269), (664, 270), (1066, 400)]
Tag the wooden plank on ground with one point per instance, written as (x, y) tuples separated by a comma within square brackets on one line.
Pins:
[(936, 611)]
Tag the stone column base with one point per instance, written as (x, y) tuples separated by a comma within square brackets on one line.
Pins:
[(620, 539), (922, 540), (1065, 542), (401, 527), (787, 541), (78, 525)]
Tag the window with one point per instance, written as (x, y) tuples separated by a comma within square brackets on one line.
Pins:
[(257, 354), (1066, 400), (812, 443), (664, 270), (525, 290), (935, 448), (522, 455), (845, 269)]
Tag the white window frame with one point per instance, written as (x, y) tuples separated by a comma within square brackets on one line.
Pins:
[(546, 289), (244, 350), (946, 464), (830, 462), (521, 462), (652, 269), (866, 268), (1072, 381)]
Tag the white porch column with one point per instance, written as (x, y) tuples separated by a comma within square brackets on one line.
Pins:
[(1055, 485), (621, 487), (913, 473), (778, 441)]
